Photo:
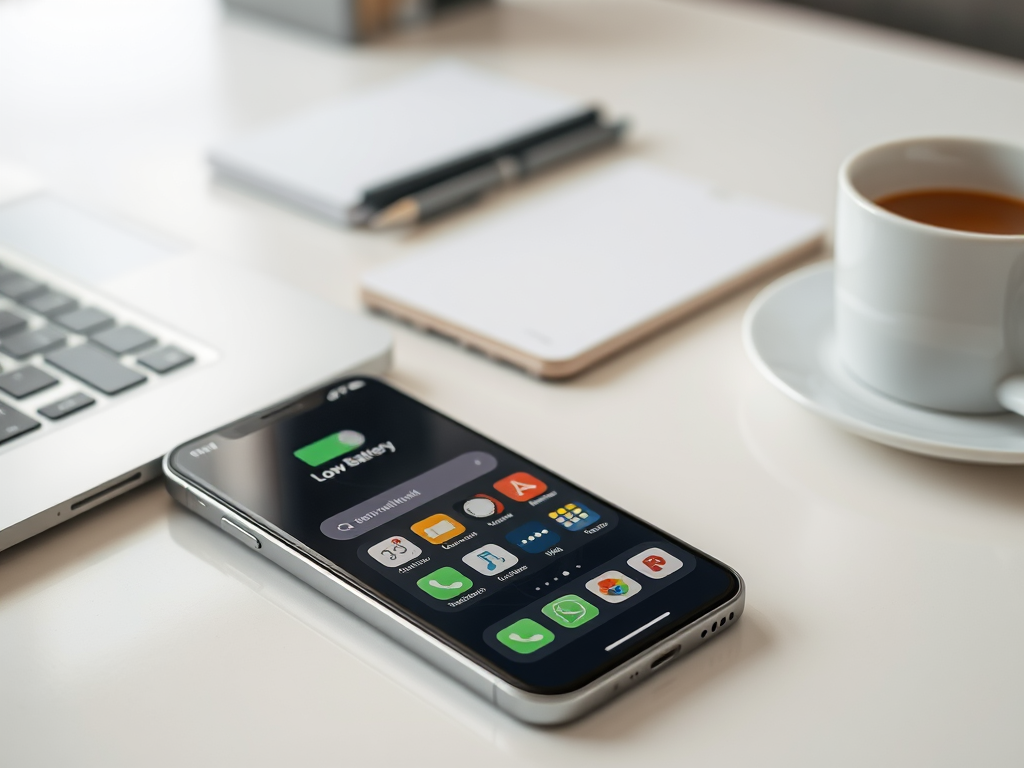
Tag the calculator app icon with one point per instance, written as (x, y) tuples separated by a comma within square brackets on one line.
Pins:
[(573, 517)]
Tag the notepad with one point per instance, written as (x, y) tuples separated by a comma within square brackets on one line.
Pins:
[(323, 159), (557, 282)]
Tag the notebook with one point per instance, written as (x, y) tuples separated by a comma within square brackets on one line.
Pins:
[(322, 160), (556, 282)]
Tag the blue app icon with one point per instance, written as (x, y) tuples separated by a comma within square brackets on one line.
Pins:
[(534, 537)]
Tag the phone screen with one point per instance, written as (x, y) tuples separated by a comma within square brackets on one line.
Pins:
[(533, 577)]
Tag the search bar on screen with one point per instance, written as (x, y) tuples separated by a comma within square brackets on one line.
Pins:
[(385, 507)]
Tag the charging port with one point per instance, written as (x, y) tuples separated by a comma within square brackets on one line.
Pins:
[(664, 657)]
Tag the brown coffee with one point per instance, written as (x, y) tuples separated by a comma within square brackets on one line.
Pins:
[(962, 209)]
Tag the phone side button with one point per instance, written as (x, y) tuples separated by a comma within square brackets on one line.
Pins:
[(243, 536)]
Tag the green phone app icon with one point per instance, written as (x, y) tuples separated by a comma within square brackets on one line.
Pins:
[(525, 636), (445, 583), (570, 611)]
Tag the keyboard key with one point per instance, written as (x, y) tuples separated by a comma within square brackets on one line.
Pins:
[(123, 339), (25, 381), (16, 286), (85, 320), (11, 323), (166, 359), (67, 406), (14, 423), (51, 303), (27, 343), (96, 368)]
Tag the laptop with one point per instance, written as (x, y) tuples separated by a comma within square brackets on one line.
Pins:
[(116, 344)]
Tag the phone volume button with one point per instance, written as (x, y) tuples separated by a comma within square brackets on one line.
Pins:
[(242, 535)]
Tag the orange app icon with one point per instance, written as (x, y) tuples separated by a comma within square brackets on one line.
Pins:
[(520, 486), (438, 528)]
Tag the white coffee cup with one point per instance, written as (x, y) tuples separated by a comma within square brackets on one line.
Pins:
[(927, 315)]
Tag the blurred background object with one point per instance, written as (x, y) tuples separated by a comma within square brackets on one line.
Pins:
[(992, 25), (347, 20)]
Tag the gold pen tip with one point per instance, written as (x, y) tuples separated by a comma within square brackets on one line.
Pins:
[(395, 215)]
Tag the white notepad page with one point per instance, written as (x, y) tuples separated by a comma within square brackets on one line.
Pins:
[(325, 158), (561, 273)]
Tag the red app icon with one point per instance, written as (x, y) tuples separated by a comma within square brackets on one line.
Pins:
[(520, 486), (654, 562)]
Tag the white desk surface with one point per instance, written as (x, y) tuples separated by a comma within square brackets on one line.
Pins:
[(884, 621)]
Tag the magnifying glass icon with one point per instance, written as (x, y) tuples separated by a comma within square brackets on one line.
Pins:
[(346, 527)]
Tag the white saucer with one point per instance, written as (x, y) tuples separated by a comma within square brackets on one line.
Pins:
[(788, 332)]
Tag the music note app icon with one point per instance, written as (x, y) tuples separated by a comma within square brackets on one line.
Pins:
[(490, 560)]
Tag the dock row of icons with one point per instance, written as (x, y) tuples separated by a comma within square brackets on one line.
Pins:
[(570, 611)]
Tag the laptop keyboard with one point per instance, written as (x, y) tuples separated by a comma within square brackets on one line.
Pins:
[(49, 337)]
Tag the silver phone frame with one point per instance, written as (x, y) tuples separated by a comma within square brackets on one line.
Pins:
[(538, 709)]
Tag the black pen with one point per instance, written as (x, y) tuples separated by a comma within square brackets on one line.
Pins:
[(381, 196), (467, 186)]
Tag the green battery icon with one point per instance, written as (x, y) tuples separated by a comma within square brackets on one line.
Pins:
[(330, 447)]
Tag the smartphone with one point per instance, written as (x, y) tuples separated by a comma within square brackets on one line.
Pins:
[(533, 592)]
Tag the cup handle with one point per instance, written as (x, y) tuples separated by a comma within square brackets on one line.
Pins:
[(1010, 394)]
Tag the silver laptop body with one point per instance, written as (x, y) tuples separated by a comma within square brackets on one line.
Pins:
[(165, 343)]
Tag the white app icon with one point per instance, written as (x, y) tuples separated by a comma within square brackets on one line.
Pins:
[(655, 563), (394, 552), (490, 560), (481, 506)]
